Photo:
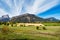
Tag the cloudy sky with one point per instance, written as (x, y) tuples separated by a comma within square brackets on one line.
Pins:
[(42, 8)]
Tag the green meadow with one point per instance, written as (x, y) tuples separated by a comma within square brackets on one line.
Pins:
[(51, 31)]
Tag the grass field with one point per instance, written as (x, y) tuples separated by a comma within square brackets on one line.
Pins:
[(51, 24), (30, 33)]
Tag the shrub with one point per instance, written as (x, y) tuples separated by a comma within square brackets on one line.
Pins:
[(5, 29), (44, 28), (21, 25), (12, 25), (0, 23), (37, 28), (7, 24), (31, 25), (4, 23)]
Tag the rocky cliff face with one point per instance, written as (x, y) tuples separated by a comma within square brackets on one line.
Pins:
[(26, 18), (4, 18)]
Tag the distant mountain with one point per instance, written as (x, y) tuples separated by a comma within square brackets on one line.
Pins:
[(32, 18), (26, 18), (52, 19), (4, 18)]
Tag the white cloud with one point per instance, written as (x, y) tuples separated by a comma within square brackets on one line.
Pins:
[(16, 6), (37, 8), (47, 6), (2, 12)]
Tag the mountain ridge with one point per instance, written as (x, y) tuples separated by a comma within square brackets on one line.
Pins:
[(27, 18), (32, 18), (4, 18)]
